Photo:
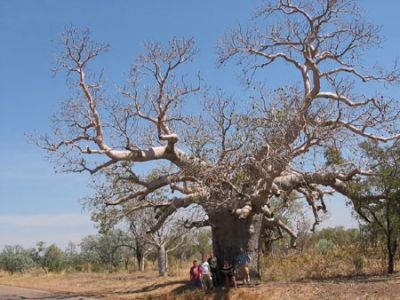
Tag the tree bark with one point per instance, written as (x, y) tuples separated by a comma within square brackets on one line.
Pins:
[(391, 242), (229, 234), (162, 261), (392, 248), (140, 250), (390, 262), (140, 260)]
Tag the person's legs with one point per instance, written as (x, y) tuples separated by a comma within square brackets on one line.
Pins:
[(226, 279), (214, 276), (203, 282), (247, 274), (197, 283), (233, 279), (242, 274), (210, 282), (207, 282)]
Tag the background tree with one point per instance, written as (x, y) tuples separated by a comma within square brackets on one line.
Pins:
[(105, 250), (166, 239), (72, 258), (169, 237), (38, 254), (109, 219), (53, 259), (382, 216), (15, 259), (295, 214), (230, 158)]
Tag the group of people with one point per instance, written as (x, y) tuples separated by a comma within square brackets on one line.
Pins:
[(210, 272)]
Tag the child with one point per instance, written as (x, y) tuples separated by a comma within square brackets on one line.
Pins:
[(195, 274)]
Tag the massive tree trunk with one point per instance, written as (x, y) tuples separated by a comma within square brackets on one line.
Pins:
[(229, 234), (162, 261)]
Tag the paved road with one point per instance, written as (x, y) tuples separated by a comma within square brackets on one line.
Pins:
[(16, 293)]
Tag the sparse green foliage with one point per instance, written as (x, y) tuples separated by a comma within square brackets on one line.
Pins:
[(324, 245), (358, 262), (203, 241), (381, 214), (15, 259), (333, 156), (104, 250), (53, 259), (72, 258)]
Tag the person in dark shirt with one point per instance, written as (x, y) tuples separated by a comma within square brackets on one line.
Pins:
[(229, 274), (195, 274), (213, 262)]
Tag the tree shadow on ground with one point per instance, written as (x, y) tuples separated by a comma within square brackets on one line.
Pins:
[(69, 295), (187, 291), (56, 296), (357, 278), (152, 287), (184, 291)]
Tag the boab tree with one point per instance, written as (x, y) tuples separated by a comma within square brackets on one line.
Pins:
[(231, 159)]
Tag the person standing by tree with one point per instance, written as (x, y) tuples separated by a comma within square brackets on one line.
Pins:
[(213, 262), (206, 278), (243, 261), (195, 274), (229, 274)]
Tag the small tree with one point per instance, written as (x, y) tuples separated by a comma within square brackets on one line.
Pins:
[(38, 255), (104, 250), (72, 258), (382, 215), (15, 259), (53, 258), (138, 232), (166, 239), (141, 221)]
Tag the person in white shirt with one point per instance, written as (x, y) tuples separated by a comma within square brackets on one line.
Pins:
[(206, 278)]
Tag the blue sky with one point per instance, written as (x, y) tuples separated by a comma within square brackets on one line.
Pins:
[(37, 204)]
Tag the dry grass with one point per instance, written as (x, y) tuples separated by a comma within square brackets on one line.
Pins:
[(295, 266), (334, 275)]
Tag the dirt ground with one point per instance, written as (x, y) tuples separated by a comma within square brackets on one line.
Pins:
[(149, 286), (17, 293)]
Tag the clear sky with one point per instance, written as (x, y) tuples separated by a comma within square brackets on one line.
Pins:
[(37, 204)]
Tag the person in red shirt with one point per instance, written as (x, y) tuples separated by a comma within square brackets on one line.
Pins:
[(195, 274)]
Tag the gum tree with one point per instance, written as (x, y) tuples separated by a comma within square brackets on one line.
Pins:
[(381, 217), (167, 238), (231, 158)]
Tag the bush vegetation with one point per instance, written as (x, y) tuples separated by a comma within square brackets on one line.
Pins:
[(328, 253)]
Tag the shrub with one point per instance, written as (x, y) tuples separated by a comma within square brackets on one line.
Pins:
[(15, 259), (53, 259), (324, 246), (358, 262)]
